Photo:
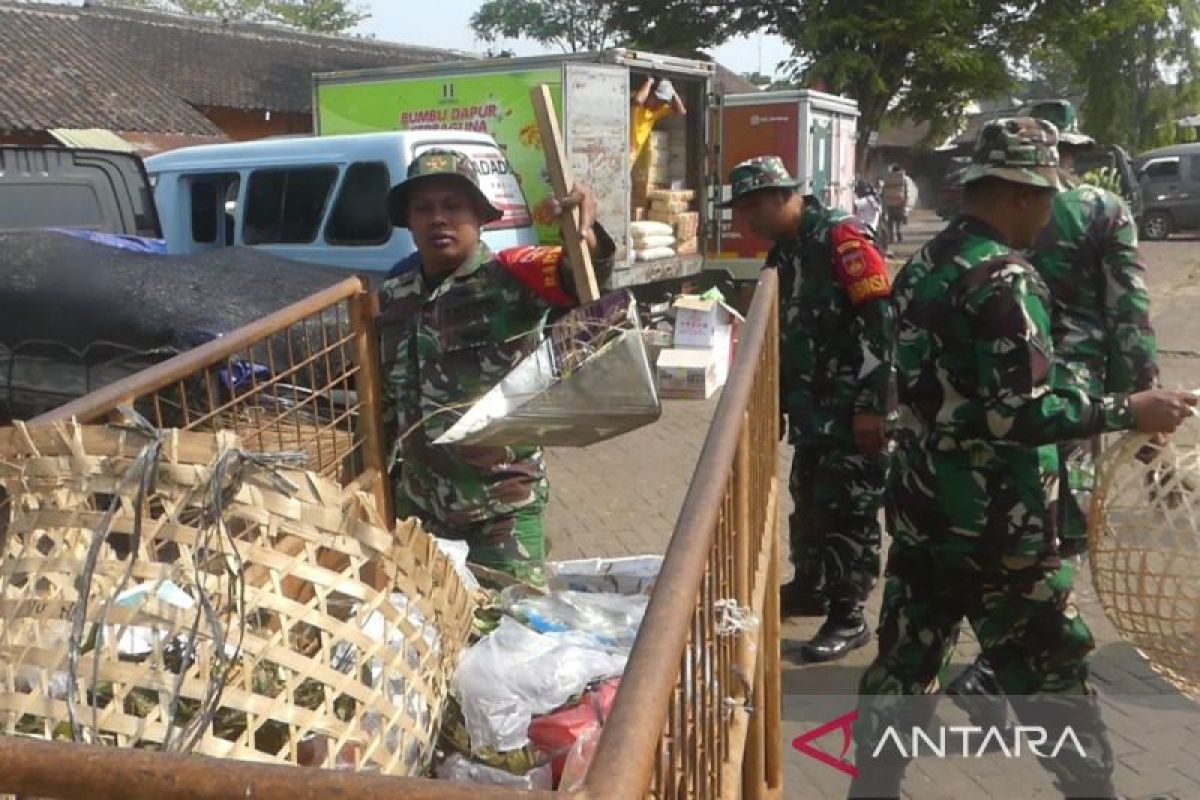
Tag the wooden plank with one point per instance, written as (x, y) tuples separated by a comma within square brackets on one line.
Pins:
[(562, 182)]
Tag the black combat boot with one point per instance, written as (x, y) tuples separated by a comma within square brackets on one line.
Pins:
[(977, 692), (845, 630)]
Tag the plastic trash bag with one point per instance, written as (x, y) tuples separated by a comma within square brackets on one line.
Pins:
[(609, 620), (514, 673), (460, 768)]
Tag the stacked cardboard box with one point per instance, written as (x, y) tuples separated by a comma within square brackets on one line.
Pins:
[(672, 207), (704, 336)]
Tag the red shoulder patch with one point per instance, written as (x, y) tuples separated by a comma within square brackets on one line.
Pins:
[(860, 268), (538, 269)]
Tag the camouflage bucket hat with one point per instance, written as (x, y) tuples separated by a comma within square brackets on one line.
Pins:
[(1018, 149), (436, 164), (761, 172)]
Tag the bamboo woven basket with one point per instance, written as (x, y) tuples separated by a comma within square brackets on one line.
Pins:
[(1144, 545), (166, 590)]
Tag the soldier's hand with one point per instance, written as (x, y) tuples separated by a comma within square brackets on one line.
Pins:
[(583, 198), (1161, 410), (869, 433)]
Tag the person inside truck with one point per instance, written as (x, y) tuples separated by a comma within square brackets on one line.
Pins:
[(451, 327), (651, 103)]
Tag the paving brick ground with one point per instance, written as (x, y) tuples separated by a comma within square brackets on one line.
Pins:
[(622, 498)]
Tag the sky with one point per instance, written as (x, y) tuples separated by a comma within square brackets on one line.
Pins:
[(416, 22)]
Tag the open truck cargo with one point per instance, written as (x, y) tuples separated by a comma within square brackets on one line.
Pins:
[(592, 94), (813, 132)]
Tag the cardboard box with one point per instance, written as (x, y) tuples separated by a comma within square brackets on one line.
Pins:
[(687, 373), (685, 195), (697, 320), (687, 247)]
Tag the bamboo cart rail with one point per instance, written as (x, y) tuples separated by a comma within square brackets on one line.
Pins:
[(697, 714)]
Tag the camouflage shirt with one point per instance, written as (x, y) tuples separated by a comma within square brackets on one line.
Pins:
[(978, 414), (1088, 257), (443, 348), (836, 326)]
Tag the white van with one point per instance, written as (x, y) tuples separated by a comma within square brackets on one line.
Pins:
[(318, 199)]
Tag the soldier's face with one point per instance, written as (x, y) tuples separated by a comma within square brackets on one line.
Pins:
[(1034, 208), (444, 223), (765, 213)]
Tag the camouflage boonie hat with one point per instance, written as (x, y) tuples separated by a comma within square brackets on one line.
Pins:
[(760, 172), (1017, 149), (435, 164)]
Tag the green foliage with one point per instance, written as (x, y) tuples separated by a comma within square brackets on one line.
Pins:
[(571, 25), (1137, 59), (923, 59), (1104, 178)]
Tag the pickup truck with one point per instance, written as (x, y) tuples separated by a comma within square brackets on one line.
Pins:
[(86, 296)]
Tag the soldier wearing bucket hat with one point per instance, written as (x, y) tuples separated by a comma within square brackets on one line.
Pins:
[(452, 324), (974, 480), (1088, 257), (835, 375)]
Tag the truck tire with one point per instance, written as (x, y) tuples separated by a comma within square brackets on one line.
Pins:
[(1156, 226)]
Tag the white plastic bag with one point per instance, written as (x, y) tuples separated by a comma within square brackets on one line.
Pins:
[(460, 768), (652, 241), (653, 254), (647, 227), (514, 672), (609, 620)]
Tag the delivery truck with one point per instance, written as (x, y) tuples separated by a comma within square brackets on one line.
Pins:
[(592, 93), (813, 132)]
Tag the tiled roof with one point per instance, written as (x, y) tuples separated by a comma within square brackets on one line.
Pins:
[(208, 62), (53, 75), (100, 66)]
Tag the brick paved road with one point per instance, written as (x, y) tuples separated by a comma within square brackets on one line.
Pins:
[(622, 497)]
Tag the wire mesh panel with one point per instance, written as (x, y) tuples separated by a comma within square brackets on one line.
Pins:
[(291, 382)]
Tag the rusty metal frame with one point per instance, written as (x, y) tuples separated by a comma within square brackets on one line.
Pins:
[(697, 714), (320, 393), (698, 711)]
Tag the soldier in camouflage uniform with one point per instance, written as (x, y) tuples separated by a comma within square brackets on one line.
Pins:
[(1103, 339), (453, 322), (975, 480), (836, 326)]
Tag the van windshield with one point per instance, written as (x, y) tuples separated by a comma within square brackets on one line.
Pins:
[(497, 179)]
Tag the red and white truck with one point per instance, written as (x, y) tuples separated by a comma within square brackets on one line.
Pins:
[(813, 132)]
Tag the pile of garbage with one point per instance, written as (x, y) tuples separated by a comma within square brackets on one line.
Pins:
[(532, 694)]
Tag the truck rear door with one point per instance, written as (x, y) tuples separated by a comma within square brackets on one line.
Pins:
[(596, 129)]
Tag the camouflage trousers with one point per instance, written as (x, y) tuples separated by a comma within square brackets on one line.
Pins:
[(513, 543), (834, 530), (1021, 614), (1077, 474)]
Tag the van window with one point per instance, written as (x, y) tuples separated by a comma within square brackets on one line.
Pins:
[(1165, 170), (360, 211), (285, 206), (1194, 169), (210, 222)]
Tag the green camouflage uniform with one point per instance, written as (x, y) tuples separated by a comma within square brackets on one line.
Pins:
[(1103, 338), (443, 347), (836, 329), (975, 479)]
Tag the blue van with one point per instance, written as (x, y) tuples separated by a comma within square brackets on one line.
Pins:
[(317, 199)]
